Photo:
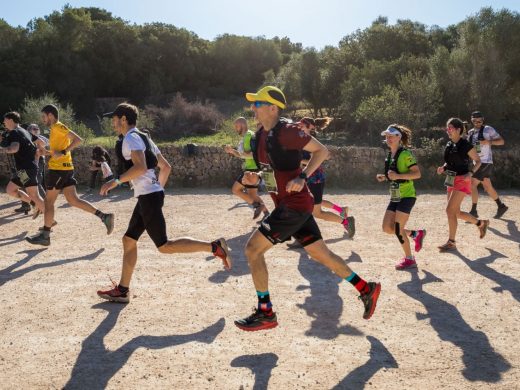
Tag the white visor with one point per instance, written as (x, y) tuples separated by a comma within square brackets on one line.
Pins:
[(392, 131)]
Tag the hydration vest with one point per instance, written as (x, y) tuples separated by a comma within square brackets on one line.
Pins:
[(280, 158), (151, 158), (391, 165)]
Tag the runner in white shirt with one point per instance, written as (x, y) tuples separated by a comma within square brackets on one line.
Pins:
[(141, 156), (483, 137)]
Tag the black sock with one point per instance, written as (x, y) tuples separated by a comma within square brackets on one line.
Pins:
[(122, 289), (498, 202), (473, 207), (100, 214), (479, 222)]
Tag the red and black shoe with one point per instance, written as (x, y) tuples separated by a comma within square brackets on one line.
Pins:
[(259, 320), (222, 251), (114, 294), (370, 298)]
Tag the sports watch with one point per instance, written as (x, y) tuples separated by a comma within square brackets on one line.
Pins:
[(303, 176)]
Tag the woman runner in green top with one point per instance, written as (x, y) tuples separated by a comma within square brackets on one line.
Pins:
[(246, 192), (401, 169)]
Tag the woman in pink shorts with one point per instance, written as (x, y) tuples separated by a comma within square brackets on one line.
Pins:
[(458, 155)]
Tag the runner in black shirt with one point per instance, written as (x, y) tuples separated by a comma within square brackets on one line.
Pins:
[(457, 156), (19, 143)]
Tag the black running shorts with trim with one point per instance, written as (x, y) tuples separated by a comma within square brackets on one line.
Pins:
[(404, 206), (30, 177), (241, 176), (283, 223), (148, 215), (485, 171), (58, 180)]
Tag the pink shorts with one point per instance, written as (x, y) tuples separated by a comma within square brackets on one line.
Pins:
[(462, 184)]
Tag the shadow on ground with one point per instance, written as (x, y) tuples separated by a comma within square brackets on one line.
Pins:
[(380, 358), (10, 273), (261, 365), (481, 361), (324, 304), (96, 365)]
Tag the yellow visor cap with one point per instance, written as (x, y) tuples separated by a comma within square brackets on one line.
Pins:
[(269, 94)]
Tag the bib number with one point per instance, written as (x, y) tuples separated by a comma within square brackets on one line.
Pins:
[(269, 179), (450, 178), (23, 176), (395, 192)]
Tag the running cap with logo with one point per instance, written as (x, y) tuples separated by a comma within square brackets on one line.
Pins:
[(268, 94), (476, 114), (392, 131)]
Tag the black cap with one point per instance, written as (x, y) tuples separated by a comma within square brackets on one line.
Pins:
[(477, 114), (124, 109)]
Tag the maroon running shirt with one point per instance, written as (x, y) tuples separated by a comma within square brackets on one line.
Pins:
[(290, 137)]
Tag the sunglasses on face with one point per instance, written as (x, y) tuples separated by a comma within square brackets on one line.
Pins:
[(258, 104)]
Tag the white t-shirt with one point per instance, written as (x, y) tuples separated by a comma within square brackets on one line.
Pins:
[(147, 183), (490, 134)]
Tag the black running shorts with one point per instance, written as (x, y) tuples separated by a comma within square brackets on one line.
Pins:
[(283, 223), (148, 216), (404, 206), (317, 191), (485, 171), (25, 177), (58, 180)]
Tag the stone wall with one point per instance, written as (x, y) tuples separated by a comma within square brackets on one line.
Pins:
[(348, 167)]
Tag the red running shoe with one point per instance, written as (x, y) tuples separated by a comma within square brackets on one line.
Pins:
[(259, 320), (370, 298), (222, 251), (418, 239), (114, 294)]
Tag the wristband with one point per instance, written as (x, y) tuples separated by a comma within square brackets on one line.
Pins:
[(118, 182)]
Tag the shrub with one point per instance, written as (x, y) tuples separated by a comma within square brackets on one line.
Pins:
[(31, 113), (182, 118)]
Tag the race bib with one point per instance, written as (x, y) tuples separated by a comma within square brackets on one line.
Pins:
[(395, 192), (450, 178), (23, 176), (269, 179)]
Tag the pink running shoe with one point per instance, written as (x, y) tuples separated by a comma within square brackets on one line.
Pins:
[(406, 263), (418, 239)]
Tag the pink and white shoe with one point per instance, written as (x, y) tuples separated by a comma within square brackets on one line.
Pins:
[(418, 239), (406, 263)]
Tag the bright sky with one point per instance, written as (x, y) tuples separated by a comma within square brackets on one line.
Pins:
[(313, 23)]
